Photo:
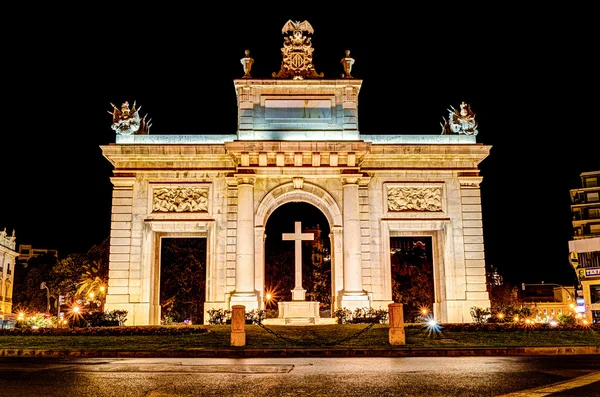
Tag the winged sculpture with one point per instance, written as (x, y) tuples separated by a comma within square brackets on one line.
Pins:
[(127, 121), (297, 26), (460, 122)]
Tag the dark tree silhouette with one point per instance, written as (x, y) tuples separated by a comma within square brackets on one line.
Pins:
[(183, 279), (412, 275)]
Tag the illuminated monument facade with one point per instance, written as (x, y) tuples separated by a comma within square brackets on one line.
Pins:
[(298, 140)]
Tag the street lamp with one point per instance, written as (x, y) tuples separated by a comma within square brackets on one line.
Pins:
[(42, 286)]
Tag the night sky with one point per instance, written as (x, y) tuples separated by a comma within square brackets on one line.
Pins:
[(531, 80)]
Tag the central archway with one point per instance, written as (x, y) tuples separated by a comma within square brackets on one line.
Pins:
[(323, 201), (280, 257)]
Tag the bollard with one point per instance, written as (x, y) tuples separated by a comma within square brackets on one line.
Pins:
[(396, 319), (238, 325)]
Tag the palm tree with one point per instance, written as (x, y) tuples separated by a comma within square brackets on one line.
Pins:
[(91, 281)]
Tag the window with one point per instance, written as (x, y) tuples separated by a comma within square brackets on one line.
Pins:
[(595, 293), (594, 212), (592, 197), (595, 228), (591, 182)]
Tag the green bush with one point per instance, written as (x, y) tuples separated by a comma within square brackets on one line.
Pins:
[(361, 316), (218, 316)]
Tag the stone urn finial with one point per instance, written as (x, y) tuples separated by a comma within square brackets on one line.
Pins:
[(347, 62), (247, 63)]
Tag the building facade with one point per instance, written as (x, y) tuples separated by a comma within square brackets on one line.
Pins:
[(584, 249), (297, 140), (8, 257), (548, 301)]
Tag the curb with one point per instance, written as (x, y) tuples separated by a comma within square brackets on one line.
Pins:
[(279, 353)]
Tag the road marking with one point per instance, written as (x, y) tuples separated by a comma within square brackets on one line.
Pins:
[(557, 387)]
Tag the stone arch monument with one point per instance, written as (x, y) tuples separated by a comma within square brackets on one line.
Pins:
[(297, 140)]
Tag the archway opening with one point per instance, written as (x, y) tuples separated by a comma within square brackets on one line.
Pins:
[(412, 276), (280, 256), (182, 280)]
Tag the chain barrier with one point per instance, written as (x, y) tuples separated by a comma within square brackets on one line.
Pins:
[(312, 343)]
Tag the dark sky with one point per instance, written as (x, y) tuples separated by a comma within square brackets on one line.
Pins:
[(531, 77)]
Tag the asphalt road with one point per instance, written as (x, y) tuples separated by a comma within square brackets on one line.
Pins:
[(574, 375)]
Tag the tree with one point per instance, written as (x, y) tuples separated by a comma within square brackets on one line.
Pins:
[(90, 279), (64, 275), (279, 272), (412, 276), (183, 281), (29, 276)]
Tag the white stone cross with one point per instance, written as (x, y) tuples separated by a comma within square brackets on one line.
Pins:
[(298, 293)]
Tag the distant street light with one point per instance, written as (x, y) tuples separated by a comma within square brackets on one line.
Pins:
[(42, 286)]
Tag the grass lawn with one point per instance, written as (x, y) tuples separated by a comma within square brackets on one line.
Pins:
[(319, 336)]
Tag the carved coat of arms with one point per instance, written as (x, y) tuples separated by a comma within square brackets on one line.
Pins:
[(297, 52)]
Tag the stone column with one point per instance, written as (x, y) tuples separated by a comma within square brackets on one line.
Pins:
[(354, 296), (244, 268)]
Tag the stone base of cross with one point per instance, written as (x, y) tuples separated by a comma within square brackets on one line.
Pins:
[(298, 293)]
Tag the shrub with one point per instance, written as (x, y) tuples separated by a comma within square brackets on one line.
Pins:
[(218, 316), (479, 314), (361, 316), (566, 319)]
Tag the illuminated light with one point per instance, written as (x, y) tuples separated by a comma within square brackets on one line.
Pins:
[(92, 295), (21, 315), (432, 326), (585, 322), (272, 295), (571, 305), (527, 321), (501, 315), (553, 323), (516, 318), (579, 310), (424, 310), (102, 288)]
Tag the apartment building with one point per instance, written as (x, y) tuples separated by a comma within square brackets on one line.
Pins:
[(584, 248)]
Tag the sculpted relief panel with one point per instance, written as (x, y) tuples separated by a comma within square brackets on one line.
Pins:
[(180, 199), (414, 199)]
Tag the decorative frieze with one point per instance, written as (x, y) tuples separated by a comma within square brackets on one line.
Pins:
[(180, 199), (414, 199)]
